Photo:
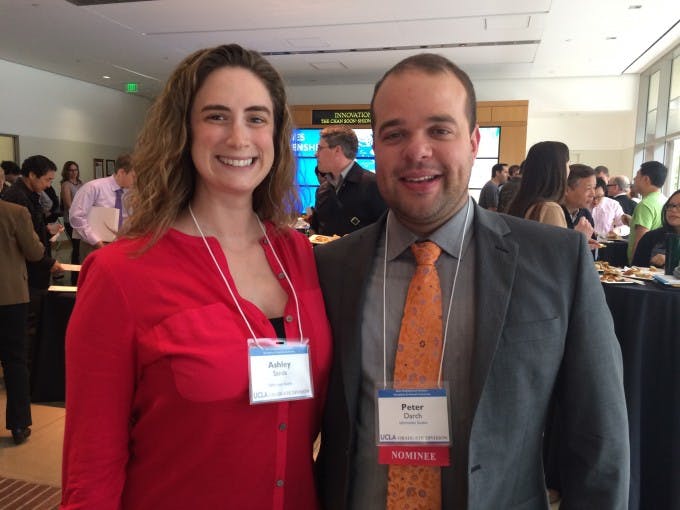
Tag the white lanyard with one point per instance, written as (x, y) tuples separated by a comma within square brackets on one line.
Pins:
[(448, 313), (226, 282)]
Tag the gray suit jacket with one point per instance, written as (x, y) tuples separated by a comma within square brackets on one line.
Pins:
[(543, 330), (18, 243)]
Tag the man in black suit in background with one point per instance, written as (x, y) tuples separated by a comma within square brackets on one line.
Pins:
[(348, 199), (618, 188)]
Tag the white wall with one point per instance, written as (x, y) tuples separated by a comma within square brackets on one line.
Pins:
[(594, 116), (64, 119), (69, 119)]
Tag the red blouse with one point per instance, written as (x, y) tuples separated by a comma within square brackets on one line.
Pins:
[(157, 407)]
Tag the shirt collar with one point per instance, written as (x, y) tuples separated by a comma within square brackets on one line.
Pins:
[(347, 169), (447, 237)]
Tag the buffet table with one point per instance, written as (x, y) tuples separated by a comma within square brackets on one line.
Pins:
[(647, 324)]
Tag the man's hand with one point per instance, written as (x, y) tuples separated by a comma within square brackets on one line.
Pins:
[(584, 227), (658, 260), (56, 267), (55, 228)]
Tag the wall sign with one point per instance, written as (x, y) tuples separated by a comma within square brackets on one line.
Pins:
[(351, 117)]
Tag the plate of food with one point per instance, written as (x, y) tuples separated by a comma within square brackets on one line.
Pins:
[(320, 239), (640, 273), (613, 277)]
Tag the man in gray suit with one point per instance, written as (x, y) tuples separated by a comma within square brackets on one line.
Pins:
[(524, 317)]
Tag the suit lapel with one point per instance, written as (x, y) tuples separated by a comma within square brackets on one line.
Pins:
[(496, 265), (358, 257)]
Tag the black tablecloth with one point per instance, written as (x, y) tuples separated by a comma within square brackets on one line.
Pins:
[(47, 367), (647, 324), (614, 252)]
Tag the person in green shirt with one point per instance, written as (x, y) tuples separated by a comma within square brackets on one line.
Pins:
[(647, 214)]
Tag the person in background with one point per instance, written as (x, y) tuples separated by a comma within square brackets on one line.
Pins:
[(204, 272), (544, 179), (578, 197), (488, 196), (528, 324), (510, 188), (37, 174), (618, 188), (647, 215), (18, 243), (12, 171), (602, 172), (108, 192), (606, 212), (70, 184), (4, 185), (651, 250), (348, 199)]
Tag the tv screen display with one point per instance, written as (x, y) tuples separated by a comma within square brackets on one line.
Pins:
[(306, 140)]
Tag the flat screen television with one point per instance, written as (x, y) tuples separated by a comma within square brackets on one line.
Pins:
[(306, 140)]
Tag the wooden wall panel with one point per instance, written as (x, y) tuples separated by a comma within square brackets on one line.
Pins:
[(511, 116)]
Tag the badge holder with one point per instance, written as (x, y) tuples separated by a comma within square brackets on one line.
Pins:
[(279, 370), (412, 425)]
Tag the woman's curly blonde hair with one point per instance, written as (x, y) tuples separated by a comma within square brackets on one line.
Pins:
[(166, 175)]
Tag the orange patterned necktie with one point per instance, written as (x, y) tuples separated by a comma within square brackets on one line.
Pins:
[(419, 352)]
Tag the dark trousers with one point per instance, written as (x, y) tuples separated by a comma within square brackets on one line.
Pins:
[(13, 354)]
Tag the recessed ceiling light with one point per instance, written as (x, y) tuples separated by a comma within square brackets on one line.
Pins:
[(568, 40), (106, 77), (637, 6), (610, 38)]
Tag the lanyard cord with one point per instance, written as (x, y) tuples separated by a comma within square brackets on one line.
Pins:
[(226, 282), (448, 313)]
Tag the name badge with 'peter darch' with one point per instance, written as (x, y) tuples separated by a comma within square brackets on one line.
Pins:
[(279, 370), (413, 426)]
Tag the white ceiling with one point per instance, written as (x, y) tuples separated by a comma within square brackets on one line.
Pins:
[(338, 42)]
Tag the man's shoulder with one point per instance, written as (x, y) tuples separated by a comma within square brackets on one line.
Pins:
[(360, 174), (490, 185)]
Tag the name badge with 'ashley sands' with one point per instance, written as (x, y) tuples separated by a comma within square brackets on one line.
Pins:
[(413, 426), (279, 370)]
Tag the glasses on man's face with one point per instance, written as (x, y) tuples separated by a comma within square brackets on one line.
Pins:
[(320, 147)]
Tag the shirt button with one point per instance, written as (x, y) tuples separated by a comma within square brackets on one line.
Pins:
[(289, 318), (279, 483), (264, 241), (281, 276), (282, 426)]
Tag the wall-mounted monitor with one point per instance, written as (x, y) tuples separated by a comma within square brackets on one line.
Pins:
[(305, 142)]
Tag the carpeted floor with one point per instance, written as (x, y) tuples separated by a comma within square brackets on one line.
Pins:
[(17, 494)]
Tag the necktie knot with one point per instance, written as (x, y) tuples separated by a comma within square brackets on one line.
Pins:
[(426, 253), (119, 192)]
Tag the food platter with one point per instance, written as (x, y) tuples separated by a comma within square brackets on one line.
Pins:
[(320, 239), (633, 274)]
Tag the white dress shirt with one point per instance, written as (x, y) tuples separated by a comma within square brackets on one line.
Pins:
[(607, 215), (96, 193)]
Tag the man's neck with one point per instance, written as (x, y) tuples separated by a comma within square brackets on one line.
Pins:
[(652, 189)]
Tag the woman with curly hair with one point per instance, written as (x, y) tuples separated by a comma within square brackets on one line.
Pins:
[(198, 352)]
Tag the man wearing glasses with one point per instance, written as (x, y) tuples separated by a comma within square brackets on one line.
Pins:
[(348, 199)]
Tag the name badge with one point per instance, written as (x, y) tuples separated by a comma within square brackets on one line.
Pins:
[(413, 426), (279, 370)]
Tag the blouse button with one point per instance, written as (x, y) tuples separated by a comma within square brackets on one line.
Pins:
[(289, 318), (264, 241), (279, 483), (282, 426), (281, 276)]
